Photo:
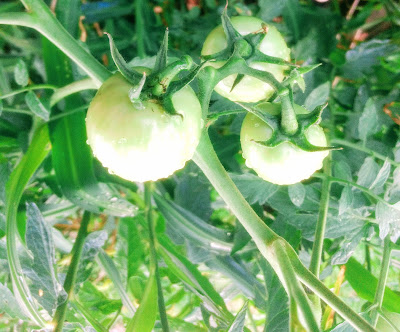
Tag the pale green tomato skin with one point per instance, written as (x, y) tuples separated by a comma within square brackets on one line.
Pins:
[(142, 143), (249, 89), (284, 164)]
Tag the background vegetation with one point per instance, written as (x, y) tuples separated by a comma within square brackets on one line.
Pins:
[(208, 270)]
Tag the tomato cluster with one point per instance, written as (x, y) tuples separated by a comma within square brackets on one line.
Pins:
[(143, 141)]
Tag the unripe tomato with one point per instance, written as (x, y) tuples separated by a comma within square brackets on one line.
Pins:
[(249, 89), (285, 163), (142, 142)]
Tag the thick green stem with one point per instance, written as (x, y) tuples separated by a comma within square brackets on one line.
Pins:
[(313, 283), (40, 18), (206, 158), (380, 290), (295, 289), (148, 189), (74, 87), (209, 163), (321, 222), (69, 283)]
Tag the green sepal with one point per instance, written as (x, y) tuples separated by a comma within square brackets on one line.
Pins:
[(232, 35), (131, 75), (296, 76), (238, 78), (178, 85), (278, 136), (161, 59), (259, 56), (169, 106)]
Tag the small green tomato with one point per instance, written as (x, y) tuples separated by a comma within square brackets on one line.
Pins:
[(141, 141), (249, 89), (286, 163)]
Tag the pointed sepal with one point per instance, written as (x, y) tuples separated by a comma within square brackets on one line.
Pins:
[(131, 75), (161, 59), (231, 33)]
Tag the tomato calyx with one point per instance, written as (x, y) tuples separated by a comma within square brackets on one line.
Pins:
[(246, 47), (159, 85), (279, 135)]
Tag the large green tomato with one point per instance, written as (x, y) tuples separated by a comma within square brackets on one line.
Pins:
[(249, 89), (142, 142), (285, 163)]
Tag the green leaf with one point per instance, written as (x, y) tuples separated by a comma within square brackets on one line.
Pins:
[(368, 172), (21, 74), (388, 218), (192, 277), (241, 275), (131, 75), (130, 248), (41, 270), (361, 60), (193, 227), (36, 106), (9, 304), (192, 192), (368, 123), (146, 314), (253, 188), (381, 178), (297, 193), (5, 171), (277, 305), (346, 200), (96, 302), (364, 284), (238, 324), (93, 244), (318, 96), (347, 248)]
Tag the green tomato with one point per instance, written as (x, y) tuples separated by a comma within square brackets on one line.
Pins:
[(142, 142), (249, 89), (285, 163)]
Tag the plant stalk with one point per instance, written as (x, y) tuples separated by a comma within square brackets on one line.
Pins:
[(70, 278), (380, 289), (206, 158), (148, 189), (316, 253)]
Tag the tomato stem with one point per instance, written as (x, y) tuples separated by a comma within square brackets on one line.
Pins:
[(380, 289), (265, 238)]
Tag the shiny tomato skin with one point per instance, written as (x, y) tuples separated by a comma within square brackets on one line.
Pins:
[(286, 163), (142, 142), (249, 89)]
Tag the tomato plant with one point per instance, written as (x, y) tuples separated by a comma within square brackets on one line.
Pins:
[(285, 163), (250, 89), (140, 141), (226, 249)]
